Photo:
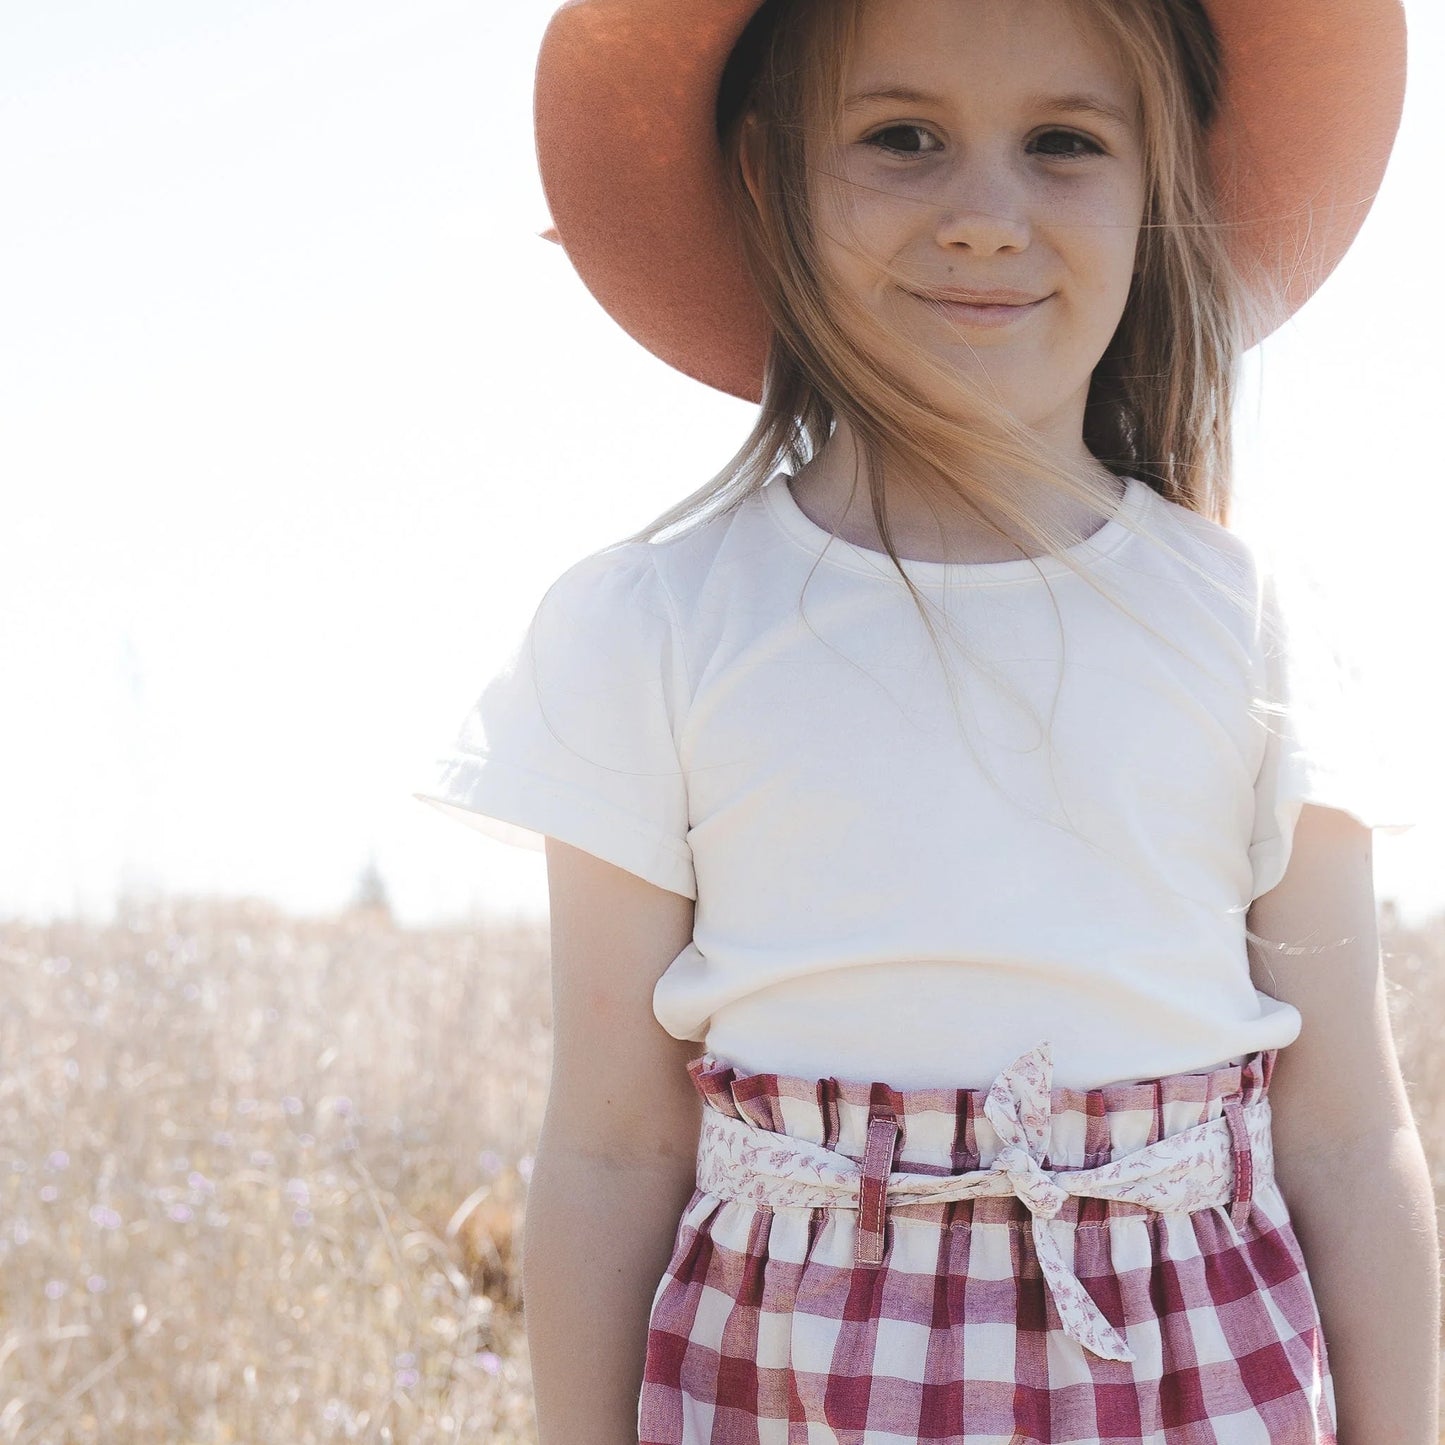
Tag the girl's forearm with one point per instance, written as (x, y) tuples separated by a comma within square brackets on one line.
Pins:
[(596, 1241), (1366, 1225)]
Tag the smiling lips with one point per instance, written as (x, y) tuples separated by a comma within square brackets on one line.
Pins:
[(982, 308)]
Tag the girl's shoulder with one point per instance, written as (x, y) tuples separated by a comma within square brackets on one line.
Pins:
[(606, 577), (1225, 570), (635, 598), (1204, 540), (735, 549)]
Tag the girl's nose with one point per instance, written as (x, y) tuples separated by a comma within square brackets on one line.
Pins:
[(983, 231), (980, 212)]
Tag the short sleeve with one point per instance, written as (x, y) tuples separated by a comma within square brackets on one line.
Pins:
[(1319, 746), (575, 737)]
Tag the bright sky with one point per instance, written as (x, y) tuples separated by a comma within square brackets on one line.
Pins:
[(299, 418)]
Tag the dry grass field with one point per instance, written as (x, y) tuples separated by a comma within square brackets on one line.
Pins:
[(261, 1179)]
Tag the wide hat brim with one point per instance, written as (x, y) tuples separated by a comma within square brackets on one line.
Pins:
[(625, 106)]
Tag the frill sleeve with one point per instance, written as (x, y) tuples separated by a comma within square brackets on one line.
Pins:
[(575, 737), (1319, 745)]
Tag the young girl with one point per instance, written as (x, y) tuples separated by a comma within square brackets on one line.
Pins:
[(944, 770)]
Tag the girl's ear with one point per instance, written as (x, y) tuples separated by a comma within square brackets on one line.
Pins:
[(749, 145)]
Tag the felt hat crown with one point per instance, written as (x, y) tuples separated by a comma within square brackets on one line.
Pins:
[(625, 110)]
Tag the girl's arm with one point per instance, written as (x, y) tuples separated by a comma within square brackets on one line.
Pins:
[(1348, 1157), (616, 1163)]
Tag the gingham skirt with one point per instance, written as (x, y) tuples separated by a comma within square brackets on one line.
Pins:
[(1017, 1265)]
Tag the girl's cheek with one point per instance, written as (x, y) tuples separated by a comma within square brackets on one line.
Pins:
[(1099, 192), (869, 211)]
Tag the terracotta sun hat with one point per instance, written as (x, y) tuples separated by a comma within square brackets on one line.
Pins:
[(625, 109)]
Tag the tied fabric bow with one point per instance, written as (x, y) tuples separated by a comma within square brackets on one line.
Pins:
[(1183, 1172), (1018, 1107)]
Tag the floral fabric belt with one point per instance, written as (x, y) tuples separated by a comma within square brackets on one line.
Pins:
[(1220, 1161)]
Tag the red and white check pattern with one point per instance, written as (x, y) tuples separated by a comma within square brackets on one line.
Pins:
[(1097, 1267), (1176, 1175)]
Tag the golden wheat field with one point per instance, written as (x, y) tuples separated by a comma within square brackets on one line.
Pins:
[(263, 1177)]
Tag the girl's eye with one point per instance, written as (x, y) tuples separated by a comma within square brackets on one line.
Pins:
[(1067, 138), (901, 132)]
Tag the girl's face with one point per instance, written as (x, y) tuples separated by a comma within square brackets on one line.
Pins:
[(988, 146)]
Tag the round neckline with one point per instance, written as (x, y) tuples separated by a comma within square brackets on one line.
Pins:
[(837, 552)]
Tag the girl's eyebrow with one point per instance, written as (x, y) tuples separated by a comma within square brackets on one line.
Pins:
[(1087, 104), (1075, 104), (892, 92)]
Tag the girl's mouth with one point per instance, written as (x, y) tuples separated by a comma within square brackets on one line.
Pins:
[(987, 315)]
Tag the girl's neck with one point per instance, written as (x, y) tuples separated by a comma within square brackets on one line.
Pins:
[(821, 489)]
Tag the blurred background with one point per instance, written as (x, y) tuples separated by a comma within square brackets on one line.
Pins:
[(298, 420)]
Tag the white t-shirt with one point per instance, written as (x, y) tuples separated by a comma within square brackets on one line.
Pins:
[(752, 714)]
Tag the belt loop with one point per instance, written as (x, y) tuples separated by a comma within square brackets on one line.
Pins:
[(873, 1189), (1243, 1160)]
